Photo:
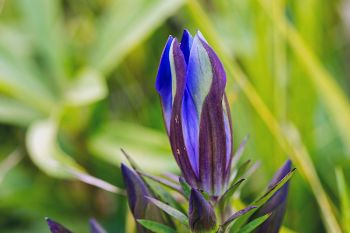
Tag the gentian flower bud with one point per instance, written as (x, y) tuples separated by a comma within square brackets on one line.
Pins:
[(276, 205), (191, 83), (201, 214), (139, 205)]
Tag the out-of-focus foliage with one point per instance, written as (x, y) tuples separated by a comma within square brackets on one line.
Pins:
[(77, 84)]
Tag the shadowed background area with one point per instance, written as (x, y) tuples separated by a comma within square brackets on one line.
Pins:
[(77, 84)]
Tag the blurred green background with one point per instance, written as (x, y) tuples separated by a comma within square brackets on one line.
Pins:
[(77, 84)]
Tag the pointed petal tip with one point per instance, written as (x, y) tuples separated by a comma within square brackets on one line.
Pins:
[(186, 33), (186, 44), (288, 163), (56, 227), (125, 169), (201, 37), (164, 69)]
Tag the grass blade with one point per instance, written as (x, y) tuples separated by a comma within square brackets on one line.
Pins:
[(254, 224), (170, 210), (344, 199), (155, 226), (333, 96), (128, 24)]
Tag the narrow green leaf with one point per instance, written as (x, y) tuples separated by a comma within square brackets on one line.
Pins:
[(162, 181), (127, 24), (239, 152), (170, 210), (163, 195), (131, 160), (260, 201), (226, 197), (251, 226), (19, 80), (226, 226), (42, 18), (344, 199), (242, 169), (155, 226)]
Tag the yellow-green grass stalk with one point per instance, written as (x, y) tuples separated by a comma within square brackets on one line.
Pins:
[(333, 97)]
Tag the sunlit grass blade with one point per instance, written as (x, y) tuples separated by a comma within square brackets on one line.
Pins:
[(344, 199), (155, 226), (18, 80), (126, 25), (254, 224), (333, 97), (226, 197), (170, 210), (42, 18), (306, 167), (162, 181), (227, 224)]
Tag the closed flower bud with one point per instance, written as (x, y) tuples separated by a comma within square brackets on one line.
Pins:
[(139, 205), (191, 83)]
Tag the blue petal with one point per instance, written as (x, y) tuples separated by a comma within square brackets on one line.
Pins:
[(199, 75), (186, 44), (180, 148), (206, 125), (190, 129), (198, 82), (164, 83)]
